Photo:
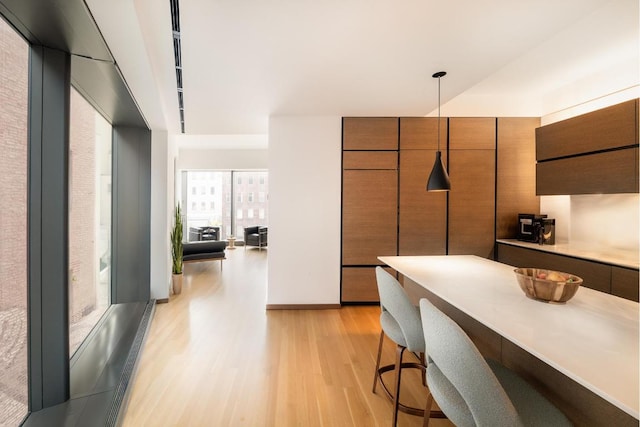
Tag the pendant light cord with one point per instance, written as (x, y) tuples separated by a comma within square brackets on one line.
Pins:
[(439, 113)]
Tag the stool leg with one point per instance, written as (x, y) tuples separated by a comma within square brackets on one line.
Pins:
[(376, 374), (424, 371), (396, 395), (427, 410)]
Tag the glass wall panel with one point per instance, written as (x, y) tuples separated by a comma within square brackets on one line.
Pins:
[(248, 184), (14, 65), (89, 218), (210, 197)]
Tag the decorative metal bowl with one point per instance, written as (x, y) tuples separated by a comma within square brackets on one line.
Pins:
[(547, 285)]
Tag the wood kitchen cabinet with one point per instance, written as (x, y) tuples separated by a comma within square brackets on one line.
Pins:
[(422, 215), (472, 169), (369, 202), (516, 173), (604, 277), (386, 209), (593, 153)]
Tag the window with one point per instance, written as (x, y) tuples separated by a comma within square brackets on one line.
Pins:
[(14, 64), (262, 180), (223, 204), (89, 218), (193, 190), (203, 190), (250, 180)]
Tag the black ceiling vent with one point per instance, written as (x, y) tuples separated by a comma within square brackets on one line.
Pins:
[(177, 55)]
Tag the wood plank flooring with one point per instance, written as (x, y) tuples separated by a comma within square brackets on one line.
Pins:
[(215, 357)]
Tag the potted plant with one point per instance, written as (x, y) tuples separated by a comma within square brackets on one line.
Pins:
[(176, 251)]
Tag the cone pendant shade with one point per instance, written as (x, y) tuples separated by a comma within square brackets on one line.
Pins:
[(438, 180)]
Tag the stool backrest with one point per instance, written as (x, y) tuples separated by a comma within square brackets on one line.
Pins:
[(394, 299), (452, 354)]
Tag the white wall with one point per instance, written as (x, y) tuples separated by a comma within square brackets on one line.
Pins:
[(161, 208), (304, 210), (222, 159)]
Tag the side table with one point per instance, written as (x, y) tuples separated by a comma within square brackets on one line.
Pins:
[(232, 242)]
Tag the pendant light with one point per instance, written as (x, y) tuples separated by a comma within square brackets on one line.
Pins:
[(438, 180)]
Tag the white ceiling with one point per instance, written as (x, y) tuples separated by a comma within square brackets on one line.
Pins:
[(247, 60)]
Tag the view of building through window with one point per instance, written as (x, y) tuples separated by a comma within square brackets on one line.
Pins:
[(14, 64), (209, 198), (89, 219)]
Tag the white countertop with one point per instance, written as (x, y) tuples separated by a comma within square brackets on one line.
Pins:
[(593, 338), (619, 257)]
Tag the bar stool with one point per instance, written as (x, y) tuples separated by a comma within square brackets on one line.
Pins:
[(400, 321)]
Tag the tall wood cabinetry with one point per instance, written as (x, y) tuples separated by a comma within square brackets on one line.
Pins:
[(386, 209), (422, 215), (369, 202), (472, 170)]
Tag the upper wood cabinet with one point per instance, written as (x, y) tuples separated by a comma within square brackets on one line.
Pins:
[(370, 160), (516, 173), (472, 170), (589, 154), (422, 228), (608, 128), (370, 133)]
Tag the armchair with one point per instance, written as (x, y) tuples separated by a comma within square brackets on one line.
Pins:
[(255, 236)]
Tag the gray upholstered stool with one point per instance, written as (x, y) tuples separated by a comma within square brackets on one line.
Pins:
[(473, 391), (400, 321)]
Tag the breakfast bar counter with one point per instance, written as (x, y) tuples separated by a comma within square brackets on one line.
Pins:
[(592, 339)]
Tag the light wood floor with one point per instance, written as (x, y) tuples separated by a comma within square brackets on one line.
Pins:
[(215, 357)]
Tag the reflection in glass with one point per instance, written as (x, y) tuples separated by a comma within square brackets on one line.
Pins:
[(14, 65), (89, 219)]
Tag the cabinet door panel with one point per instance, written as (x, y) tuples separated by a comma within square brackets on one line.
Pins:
[(421, 133), (370, 160), (369, 216), (359, 284), (472, 133), (370, 133), (472, 202), (594, 275), (624, 283), (610, 127), (423, 215), (608, 172), (516, 175)]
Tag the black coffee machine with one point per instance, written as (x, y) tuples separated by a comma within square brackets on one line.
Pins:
[(536, 229)]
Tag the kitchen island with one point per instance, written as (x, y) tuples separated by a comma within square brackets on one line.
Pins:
[(583, 355)]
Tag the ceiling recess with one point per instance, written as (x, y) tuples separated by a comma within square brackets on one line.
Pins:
[(177, 54)]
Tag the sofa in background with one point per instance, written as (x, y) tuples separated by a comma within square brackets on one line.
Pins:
[(204, 251)]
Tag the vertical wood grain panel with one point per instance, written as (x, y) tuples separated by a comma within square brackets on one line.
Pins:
[(516, 173), (370, 133), (423, 215), (369, 216), (472, 197)]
